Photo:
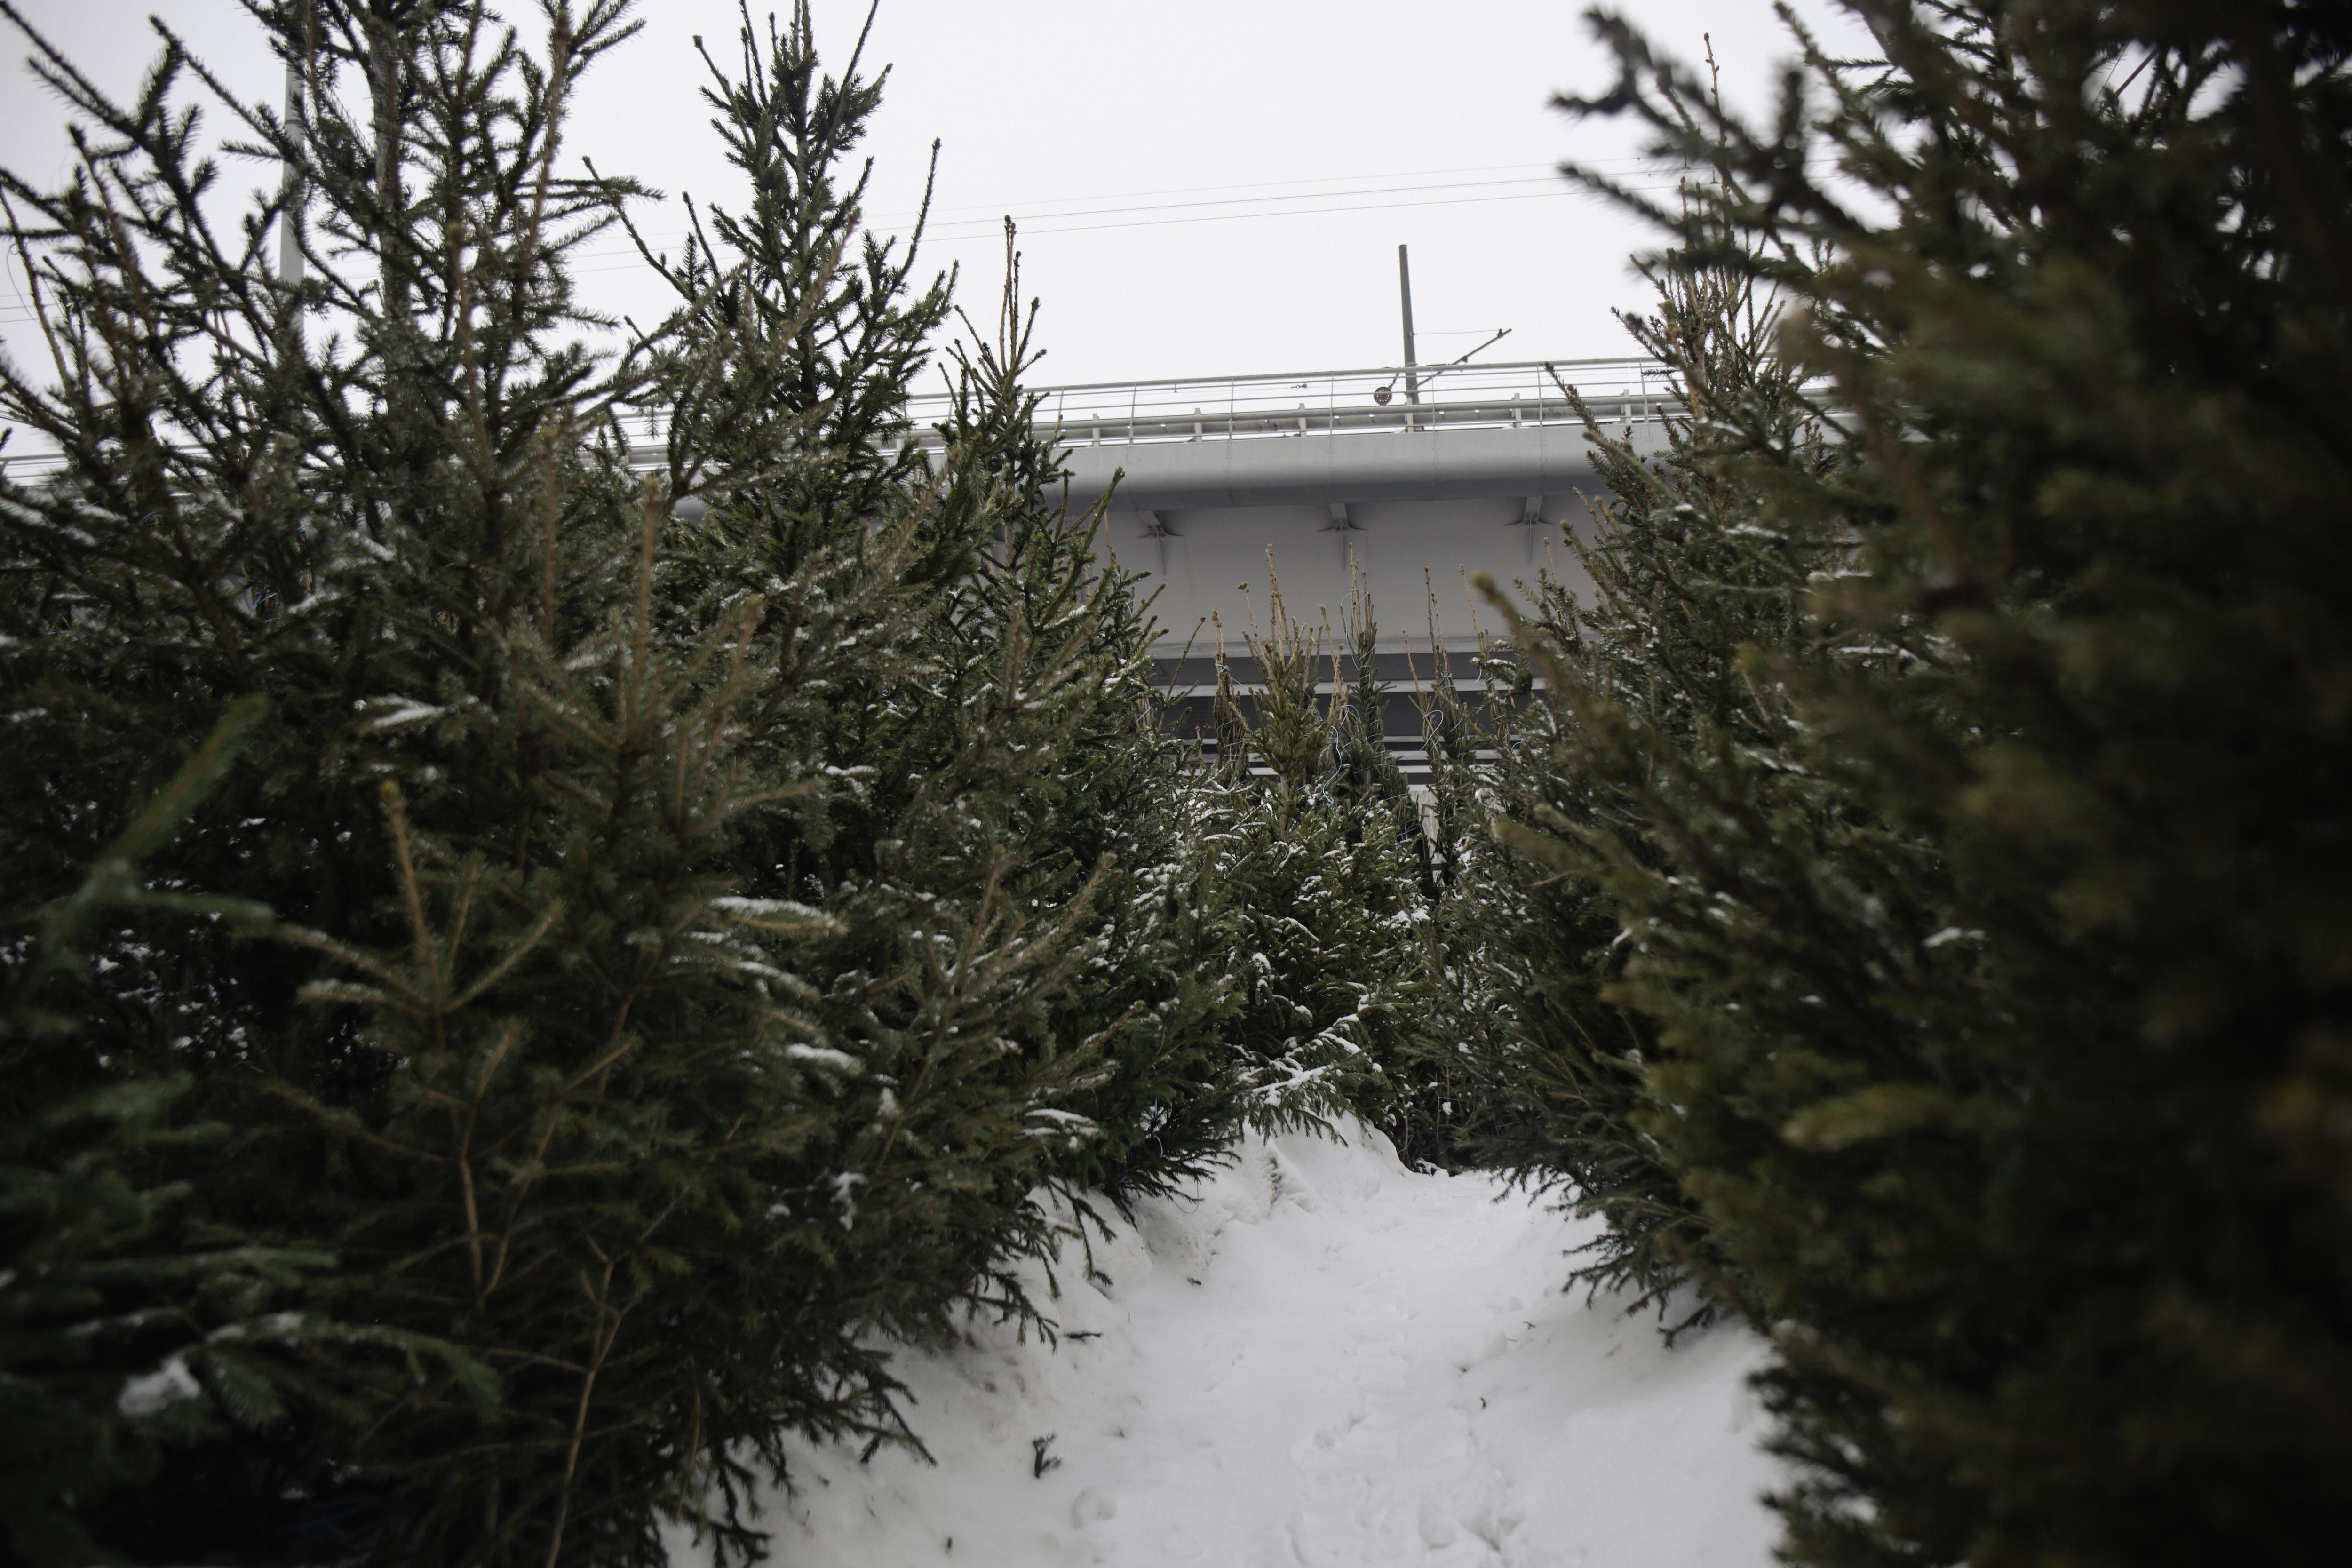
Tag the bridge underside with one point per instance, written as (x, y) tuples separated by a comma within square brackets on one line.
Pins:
[(1416, 510)]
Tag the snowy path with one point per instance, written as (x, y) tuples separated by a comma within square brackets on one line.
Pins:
[(1327, 1359)]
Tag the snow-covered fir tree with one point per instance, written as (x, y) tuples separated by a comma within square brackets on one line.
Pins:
[(1996, 1032), (1314, 832), (1693, 568), (711, 906)]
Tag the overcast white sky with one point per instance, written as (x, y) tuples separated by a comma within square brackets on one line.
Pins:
[(1210, 187)]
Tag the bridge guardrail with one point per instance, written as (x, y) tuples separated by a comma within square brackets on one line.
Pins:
[(1247, 407), (1335, 402), (1381, 398)]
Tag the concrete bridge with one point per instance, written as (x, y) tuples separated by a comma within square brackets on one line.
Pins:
[(1417, 479)]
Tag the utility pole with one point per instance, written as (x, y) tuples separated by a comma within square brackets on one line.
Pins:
[(290, 240), (1404, 290)]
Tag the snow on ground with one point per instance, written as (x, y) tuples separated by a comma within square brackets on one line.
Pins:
[(1324, 1358)]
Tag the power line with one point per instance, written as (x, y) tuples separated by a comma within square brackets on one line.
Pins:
[(987, 216), (1256, 201), (990, 209), (1307, 203), (1047, 225)]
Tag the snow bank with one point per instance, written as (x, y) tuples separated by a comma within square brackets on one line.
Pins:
[(1324, 1358)]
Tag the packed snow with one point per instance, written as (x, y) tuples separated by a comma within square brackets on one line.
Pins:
[(1319, 1357)]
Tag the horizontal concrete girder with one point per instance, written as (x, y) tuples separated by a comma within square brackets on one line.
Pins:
[(1372, 465)]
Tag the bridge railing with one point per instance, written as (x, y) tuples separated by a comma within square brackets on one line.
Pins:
[(1328, 401), (1381, 397), (1242, 407)]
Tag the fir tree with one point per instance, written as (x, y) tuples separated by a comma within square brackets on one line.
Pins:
[(1695, 564), (1317, 839), (1004, 786), (1460, 1065), (1998, 997), (125, 1330), (695, 962), (345, 497), (1109, 794)]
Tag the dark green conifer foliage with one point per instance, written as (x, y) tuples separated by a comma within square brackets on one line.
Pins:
[(1317, 839), (888, 699), (1474, 914), (1693, 563), (349, 499), (2002, 997), (706, 938), (1008, 789), (828, 330), (1107, 794), (601, 1074), (124, 1328)]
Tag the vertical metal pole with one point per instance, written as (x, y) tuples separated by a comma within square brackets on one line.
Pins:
[(289, 244), (1404, 291)]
